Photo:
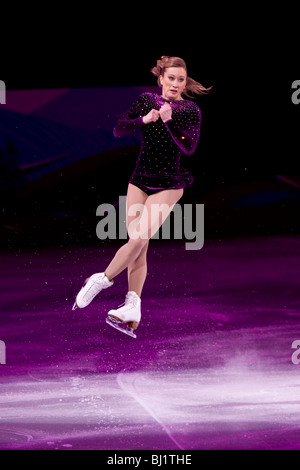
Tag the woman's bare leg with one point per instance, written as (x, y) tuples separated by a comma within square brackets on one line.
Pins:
[(140, 232), (128, 253), (137, 272)]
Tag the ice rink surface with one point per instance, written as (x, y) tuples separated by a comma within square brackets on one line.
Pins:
[(212, 367)]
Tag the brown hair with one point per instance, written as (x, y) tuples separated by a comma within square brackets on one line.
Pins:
[(191, 85)]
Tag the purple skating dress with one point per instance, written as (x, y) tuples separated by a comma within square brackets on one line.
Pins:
[(163, 143)]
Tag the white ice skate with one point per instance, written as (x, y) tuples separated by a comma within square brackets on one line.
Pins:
[(92, 286), (126, 319)]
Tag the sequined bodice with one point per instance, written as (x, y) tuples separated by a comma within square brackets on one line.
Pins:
[(163, 143)]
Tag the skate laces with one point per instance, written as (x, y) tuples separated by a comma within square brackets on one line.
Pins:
[(129, 299)]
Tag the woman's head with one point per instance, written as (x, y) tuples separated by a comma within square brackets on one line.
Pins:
[(173, 78)]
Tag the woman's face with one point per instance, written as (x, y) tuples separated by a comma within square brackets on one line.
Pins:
[(173, 83)]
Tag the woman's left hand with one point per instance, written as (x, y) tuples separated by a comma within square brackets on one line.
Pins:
[(165, 112)]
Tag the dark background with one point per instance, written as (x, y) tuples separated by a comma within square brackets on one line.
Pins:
[(245, 169)]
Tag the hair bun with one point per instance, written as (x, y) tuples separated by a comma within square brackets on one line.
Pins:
[(164, 60), (160, 65)]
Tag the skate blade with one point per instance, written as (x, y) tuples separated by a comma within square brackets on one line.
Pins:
[(75, 306), (118, 326)]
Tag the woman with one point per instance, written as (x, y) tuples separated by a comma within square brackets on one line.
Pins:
[(170, 125)]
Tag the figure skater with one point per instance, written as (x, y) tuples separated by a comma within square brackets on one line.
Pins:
[(169, 125)]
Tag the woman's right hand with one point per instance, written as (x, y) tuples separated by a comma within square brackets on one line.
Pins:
[(152, 116)]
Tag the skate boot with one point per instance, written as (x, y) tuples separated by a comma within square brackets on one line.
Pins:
[(92, 286), (126, 318)]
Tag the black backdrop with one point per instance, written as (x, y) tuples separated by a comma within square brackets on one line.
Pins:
[(250, 127)]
